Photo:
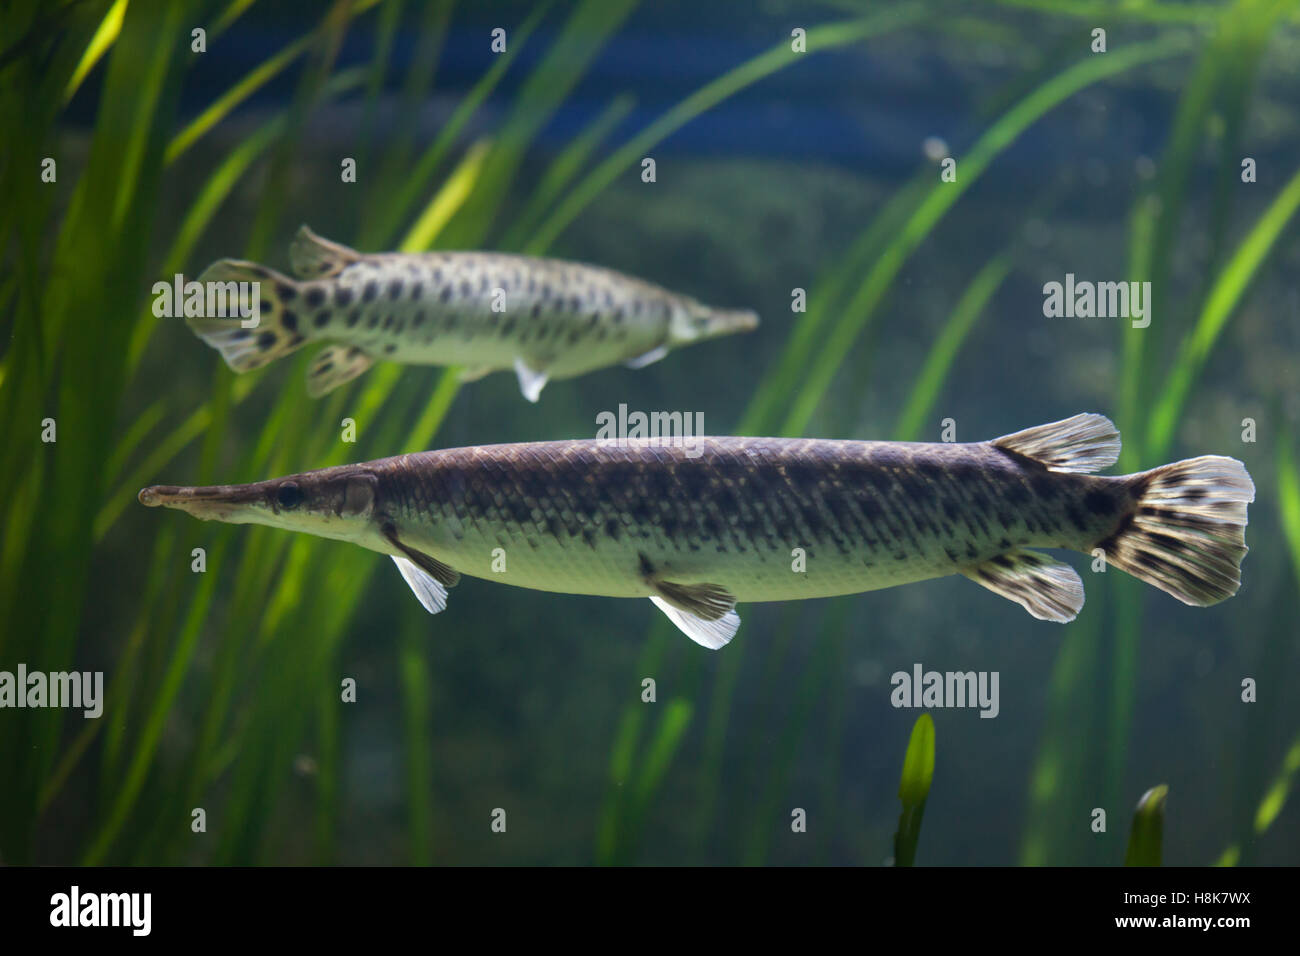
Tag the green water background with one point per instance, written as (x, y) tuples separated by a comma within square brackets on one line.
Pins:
[(925, 304)]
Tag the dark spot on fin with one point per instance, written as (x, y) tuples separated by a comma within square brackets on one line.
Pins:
[(1048, 589), (334, 366), (1186, 532), (276, 332)]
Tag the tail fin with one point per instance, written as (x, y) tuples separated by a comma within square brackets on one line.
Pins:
[(1187, 533), (276, 333)]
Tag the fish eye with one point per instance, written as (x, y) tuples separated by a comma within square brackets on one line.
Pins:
[(289, 496)]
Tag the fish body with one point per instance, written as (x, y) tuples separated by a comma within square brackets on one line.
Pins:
[(578, 518), (769, 519), (486, 311)]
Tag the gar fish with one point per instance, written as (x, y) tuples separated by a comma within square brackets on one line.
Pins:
[(545, 318), (698, 534)]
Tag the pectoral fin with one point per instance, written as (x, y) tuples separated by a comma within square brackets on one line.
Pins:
[(428, 577), (1048, 589), (647, 358), (704, 612), (428, 591), (531, 382), (335, 366)]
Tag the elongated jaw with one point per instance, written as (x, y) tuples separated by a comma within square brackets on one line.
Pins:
[(156, 496), (212, 503)]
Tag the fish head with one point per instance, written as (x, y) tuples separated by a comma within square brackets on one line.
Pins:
[(331, 503), (693, 321)]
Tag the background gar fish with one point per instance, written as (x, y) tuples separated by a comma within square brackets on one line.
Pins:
[(487, 311), (697, 535)]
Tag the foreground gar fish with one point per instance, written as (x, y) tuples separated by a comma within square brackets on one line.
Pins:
[(696, 534), (485, 311)]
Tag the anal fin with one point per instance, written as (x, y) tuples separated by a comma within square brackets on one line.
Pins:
[(1048, 589), (706, 613), (473, 373), (334, 366)]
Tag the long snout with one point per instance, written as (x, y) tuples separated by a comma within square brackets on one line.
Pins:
[(210, 503), (726, 321)]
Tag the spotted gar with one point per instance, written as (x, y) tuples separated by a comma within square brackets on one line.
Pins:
[(768, 519), (485, 311)]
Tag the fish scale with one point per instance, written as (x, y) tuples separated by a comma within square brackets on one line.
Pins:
[(700, 527)]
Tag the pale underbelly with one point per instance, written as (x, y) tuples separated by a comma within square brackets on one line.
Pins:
[(489, 351), (619, 571)]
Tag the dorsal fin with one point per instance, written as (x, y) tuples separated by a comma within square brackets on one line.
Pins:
[(1082, 444), (314, 258)]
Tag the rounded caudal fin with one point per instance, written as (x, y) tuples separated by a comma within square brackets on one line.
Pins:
[(263, 329), (1187, 534)]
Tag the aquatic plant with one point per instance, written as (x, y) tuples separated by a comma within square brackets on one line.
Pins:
[(914, 788), (223, 688)]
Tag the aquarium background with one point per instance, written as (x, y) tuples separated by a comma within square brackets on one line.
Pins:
[(775, 170)]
